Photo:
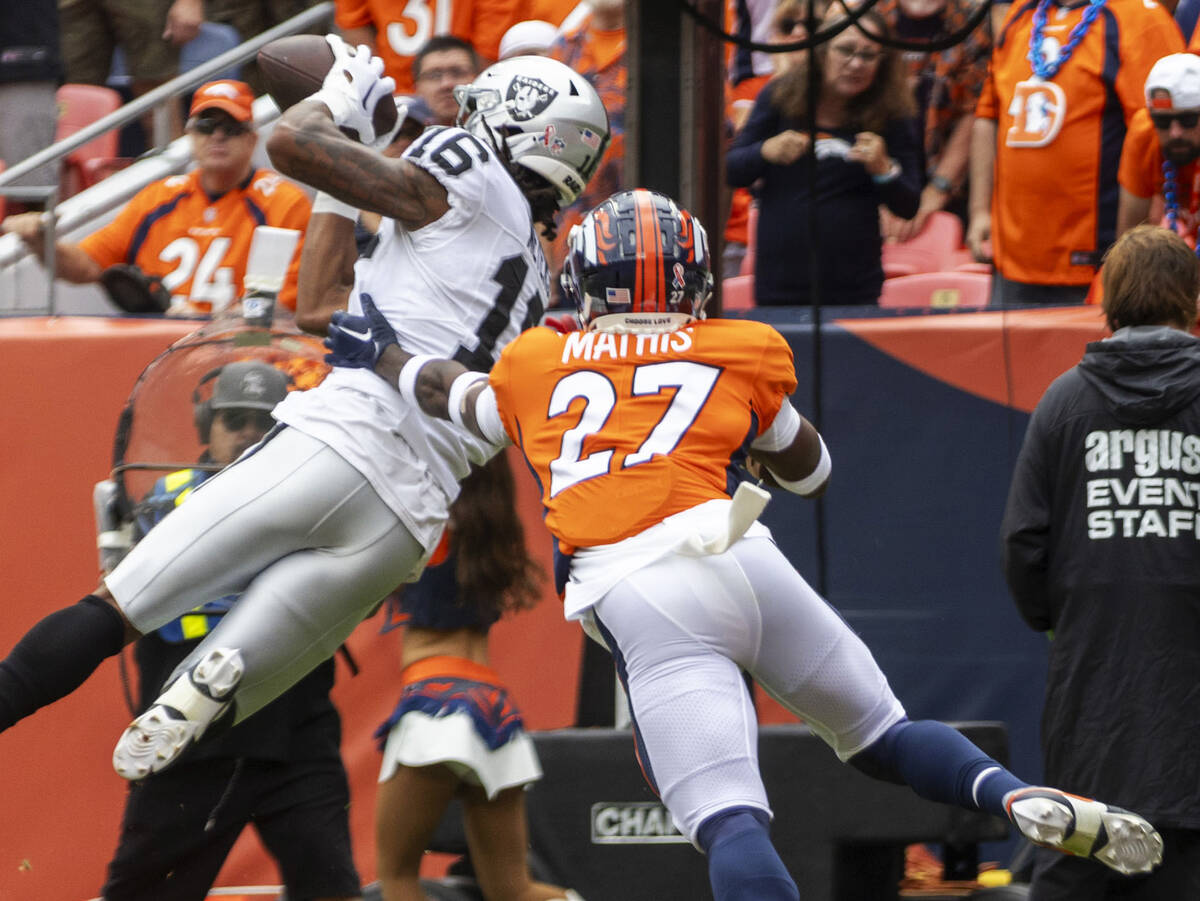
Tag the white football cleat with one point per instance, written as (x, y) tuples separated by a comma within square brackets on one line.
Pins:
[(180, 715), (1117, 838)]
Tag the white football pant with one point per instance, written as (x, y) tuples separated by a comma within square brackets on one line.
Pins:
[(685, 626), (300, 534)]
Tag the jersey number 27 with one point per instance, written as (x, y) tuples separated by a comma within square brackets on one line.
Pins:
[(693, 383)]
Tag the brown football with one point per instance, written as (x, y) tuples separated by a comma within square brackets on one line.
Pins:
[(294, 68)]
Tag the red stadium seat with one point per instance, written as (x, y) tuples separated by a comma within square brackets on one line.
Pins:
[(737, 293), (937, 290), (964, 261), (79, 105), (932, 249)]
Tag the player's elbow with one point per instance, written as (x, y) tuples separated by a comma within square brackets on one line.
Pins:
[(314, 309), (282, 143), (803, 467)]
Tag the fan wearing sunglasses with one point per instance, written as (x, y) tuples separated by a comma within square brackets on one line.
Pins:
[(1159, 175), (189, 233)]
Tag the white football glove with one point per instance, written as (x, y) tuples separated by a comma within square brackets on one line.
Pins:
[(352, 87)]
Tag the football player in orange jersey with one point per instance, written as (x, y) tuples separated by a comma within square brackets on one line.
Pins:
[(636, 427), (192, 232)]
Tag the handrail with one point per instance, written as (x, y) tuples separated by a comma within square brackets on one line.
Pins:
[(197, 76)]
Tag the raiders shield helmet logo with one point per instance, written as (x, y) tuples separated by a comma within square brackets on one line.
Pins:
[(528, 97)]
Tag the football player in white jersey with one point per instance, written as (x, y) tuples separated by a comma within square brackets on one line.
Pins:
[(348, 496)]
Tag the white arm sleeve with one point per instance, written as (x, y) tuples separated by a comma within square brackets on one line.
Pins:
[(487, 417), (782, 431)]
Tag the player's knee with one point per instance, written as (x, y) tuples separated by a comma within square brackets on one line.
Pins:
[(102, 597), (879, 759), (728, 824)]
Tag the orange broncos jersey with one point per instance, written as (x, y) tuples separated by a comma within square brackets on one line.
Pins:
[(1058, 142), (199, 245), (403, 26), (623, 431)]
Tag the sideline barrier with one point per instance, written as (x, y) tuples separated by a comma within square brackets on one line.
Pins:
[(599, 829)]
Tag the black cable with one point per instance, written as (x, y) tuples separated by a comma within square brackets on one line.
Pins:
[(929, 46), (818, 37), (127, 683), (813, 89)]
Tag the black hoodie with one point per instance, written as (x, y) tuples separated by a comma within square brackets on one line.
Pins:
[(1101, 545)]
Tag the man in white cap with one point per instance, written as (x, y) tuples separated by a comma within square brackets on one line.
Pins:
[(1158, 174)]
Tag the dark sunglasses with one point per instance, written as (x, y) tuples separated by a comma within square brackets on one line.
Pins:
[(226, 126), (235, 419), (1162, 121)]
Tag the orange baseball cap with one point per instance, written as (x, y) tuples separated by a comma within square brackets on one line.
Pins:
[(233, 97)]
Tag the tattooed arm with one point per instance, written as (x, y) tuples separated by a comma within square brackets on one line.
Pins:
[(307, 146), (443, 389)]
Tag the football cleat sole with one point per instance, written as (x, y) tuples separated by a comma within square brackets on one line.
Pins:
[(179, 717), (1119, 839)]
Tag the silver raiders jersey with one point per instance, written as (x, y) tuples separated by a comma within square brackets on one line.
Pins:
[(460, 287)]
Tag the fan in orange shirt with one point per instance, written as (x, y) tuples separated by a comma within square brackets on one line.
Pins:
[(192, 232), (1159, 174), (1046, 144), (396, 29)]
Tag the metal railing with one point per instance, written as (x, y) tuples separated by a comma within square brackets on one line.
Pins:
[(172, 156), (135, 109)]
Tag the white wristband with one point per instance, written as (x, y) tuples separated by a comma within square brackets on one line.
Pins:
[(326, 203), (814, 479), (407, 382), (458, 390), (487, 417)]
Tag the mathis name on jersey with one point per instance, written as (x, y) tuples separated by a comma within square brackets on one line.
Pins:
[(633, 823), (593, 346), (1158, 501)]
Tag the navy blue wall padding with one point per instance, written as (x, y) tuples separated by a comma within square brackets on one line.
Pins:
[(912, 522)]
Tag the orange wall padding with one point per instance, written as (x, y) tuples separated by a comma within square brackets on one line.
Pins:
[(63, 381)]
